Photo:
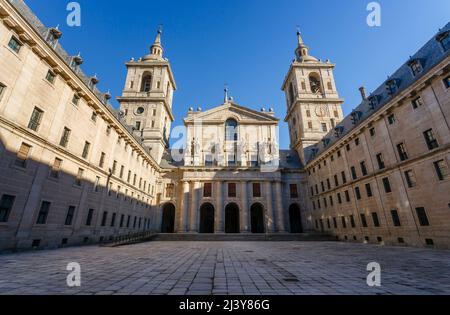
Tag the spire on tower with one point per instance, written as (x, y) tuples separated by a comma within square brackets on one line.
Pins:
[(301, 52), (225, 90), (156, 50)]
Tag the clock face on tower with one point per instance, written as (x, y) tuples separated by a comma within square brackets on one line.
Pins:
[(321, 110)]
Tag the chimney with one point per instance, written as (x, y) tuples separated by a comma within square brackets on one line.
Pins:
[(362, 89)]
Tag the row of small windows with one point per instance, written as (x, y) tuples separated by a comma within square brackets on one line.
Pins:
[(350, 221), (7, 204), (430, 141), (440, 166)]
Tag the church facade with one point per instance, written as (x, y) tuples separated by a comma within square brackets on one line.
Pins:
[(74, 170)]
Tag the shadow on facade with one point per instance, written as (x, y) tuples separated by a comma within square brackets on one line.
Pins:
[(44, 207)]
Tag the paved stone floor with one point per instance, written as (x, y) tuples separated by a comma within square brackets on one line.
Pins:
[(249, 268)]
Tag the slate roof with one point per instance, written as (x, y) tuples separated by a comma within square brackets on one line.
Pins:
[(429, 56)]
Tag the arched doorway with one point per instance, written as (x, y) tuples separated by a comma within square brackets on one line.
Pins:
[(206, 218), (295, 219), (232, 218), (257, 218), (168, 218)]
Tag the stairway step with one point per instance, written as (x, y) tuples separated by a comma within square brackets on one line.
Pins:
[(243, 237)]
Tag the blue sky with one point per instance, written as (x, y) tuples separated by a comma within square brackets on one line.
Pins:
[(247, 44)]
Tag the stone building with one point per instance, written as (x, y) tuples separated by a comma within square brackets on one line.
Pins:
[(75, 170)]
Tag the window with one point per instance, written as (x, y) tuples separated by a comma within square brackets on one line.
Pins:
[(315, 85), (339, 153), (94, 116), (122, 168), (334, 222), (310, 125), (422, 216), (344, 223), (231, 133), (336, 181), (293, 190), (353, 171), (207, 190), (430, 139), (104, 217), (65, 137), (395, 217), (50, 77), (447, 82), (113, 219), (75, 99), (138, 125), (291, 92), (101, 163), (369, 190), (22, 155), (347, 147), (6, 204), (410, 179), (402, 151), (231, 190), (333, 123), (43, 212), (352, 221), (363, 220), (69, 216), (391, 119), (387, 185), (170, 190), (344, 178), (54, 172), (122, 218), (347, 196), (441, 168), (372, 132), (444, 39), (380, 161), (363, 168), (2, 89), (89, 217), (86, 147), (416, 67), (114, 168), (14, 44), (36, 118), (256, 190), (376, 221), (417, 102), (324, 127), (331, 201), (308, 113), (97, 184), (357, 141), (146, 83), (357, 193), (339, 198)]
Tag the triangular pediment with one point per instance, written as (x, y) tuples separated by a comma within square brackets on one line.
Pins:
[(231, 110)]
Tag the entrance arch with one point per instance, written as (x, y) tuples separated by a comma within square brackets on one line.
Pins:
[(168, 218), (206, 218), (257, 218), (232, 218), (295, 219)]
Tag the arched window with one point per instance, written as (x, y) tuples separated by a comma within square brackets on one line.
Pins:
[(314, 81), (146, 83), (231, 132)]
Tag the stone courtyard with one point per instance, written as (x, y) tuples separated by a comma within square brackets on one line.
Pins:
[(250, 268)]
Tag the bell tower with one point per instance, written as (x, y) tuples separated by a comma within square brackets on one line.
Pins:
[(313, 103), (146, 101)]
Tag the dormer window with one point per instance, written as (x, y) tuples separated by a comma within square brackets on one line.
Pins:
[(92, 82), (447, 82), (444, 39), (325, 142), (373, 102), (391, 86), (76, 62), (338, 131), (15, 44), (416, 66), (75, 99), (53, 35), (356, 116)]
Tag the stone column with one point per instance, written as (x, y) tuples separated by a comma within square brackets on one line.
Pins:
[(219, 215), (184, 216), (194, 209), (269, 219), (244, 224), (281, 227)]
